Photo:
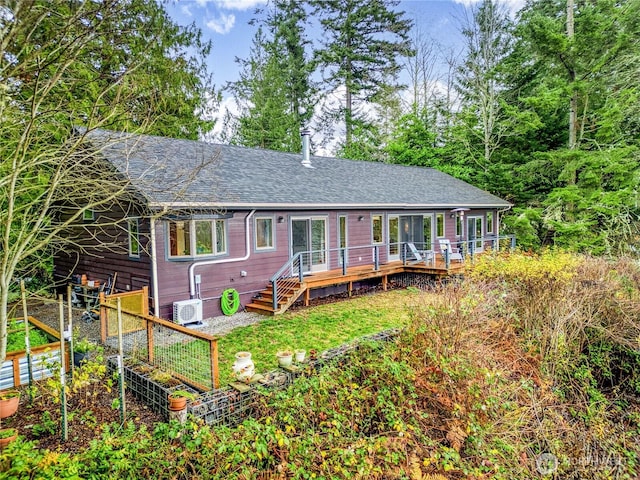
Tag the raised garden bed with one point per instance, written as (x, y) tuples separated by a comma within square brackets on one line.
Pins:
[(45, 353), (140, 381), (227, 406)]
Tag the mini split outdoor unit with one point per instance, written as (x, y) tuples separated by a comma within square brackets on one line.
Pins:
[(187, 311)]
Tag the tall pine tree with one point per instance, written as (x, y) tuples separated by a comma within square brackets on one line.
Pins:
[(362, 43), (274, 92)]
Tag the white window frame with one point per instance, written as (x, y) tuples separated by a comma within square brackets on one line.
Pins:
[(459, 225), (490, 222), (88, 215), (442, 234), (339, 230), (133, 234), (373, 217), (272, 240), (193, 240)]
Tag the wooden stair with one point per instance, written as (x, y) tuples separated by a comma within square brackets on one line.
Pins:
[(287, 295)]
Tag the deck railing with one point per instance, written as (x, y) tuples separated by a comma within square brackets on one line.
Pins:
[(291, 274)]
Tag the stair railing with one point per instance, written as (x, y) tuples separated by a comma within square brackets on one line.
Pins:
[(285, 279)]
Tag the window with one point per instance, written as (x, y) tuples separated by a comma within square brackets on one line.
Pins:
[(376, 228), (489, 222), (342, 238), (88, 215), (394, 235), (221, 242), (204, 238), (439, 224), (190, 238), (264, 233), (427, 232), (458, 226), (134, 237)]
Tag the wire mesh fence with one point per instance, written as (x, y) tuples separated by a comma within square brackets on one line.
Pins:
[(186, 354)]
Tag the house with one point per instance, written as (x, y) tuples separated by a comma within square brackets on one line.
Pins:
[(214, 218)]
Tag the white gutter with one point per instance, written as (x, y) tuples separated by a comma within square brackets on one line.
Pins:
[(154, 269), (192, 267)]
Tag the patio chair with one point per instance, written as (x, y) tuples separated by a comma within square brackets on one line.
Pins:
[(426, 256), (454, 252)]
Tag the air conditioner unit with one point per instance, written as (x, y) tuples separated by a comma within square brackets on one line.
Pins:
[(187, 311)]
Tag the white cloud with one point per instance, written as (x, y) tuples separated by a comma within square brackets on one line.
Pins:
[(512, 5), (223, 24), (233, 4), (186, 10)]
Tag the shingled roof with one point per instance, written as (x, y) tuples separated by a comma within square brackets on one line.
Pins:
[(186, 173)]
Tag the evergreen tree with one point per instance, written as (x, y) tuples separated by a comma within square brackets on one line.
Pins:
[(163, 63), (117, 64), (274, 91), (362, 43), (572, 65)]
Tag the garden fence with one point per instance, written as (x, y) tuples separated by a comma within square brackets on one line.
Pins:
[(186, 354)]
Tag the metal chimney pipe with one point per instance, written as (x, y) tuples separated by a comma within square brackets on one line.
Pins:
[(305, 133)]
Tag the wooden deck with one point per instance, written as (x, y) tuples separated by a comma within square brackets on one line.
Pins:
[(264, 302)]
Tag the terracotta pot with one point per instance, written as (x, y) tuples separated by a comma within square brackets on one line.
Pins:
[(9, 406), (7, 440), (177, 403)]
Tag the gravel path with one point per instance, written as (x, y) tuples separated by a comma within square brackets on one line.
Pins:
[(47, 312)]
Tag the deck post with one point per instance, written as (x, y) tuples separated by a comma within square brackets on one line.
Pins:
[(274, 288), (447, 260), (404, 254), (472, 248), (376, 260), (344, 263), (300, 275)]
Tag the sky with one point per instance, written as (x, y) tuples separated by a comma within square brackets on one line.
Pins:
[(225, 23)]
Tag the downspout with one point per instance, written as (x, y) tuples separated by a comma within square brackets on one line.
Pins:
[(192, 267), (154, 264), (154, 269)]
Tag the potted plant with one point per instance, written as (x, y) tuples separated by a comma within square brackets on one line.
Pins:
[(178, 399), (285, 358), (243, 368), (7, 435), (81, 349), (300, 353), (9, 400)]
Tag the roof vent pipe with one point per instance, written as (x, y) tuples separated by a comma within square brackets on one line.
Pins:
[(306, 157)]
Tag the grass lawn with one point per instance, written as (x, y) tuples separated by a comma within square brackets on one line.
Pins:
[(318, 328)]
